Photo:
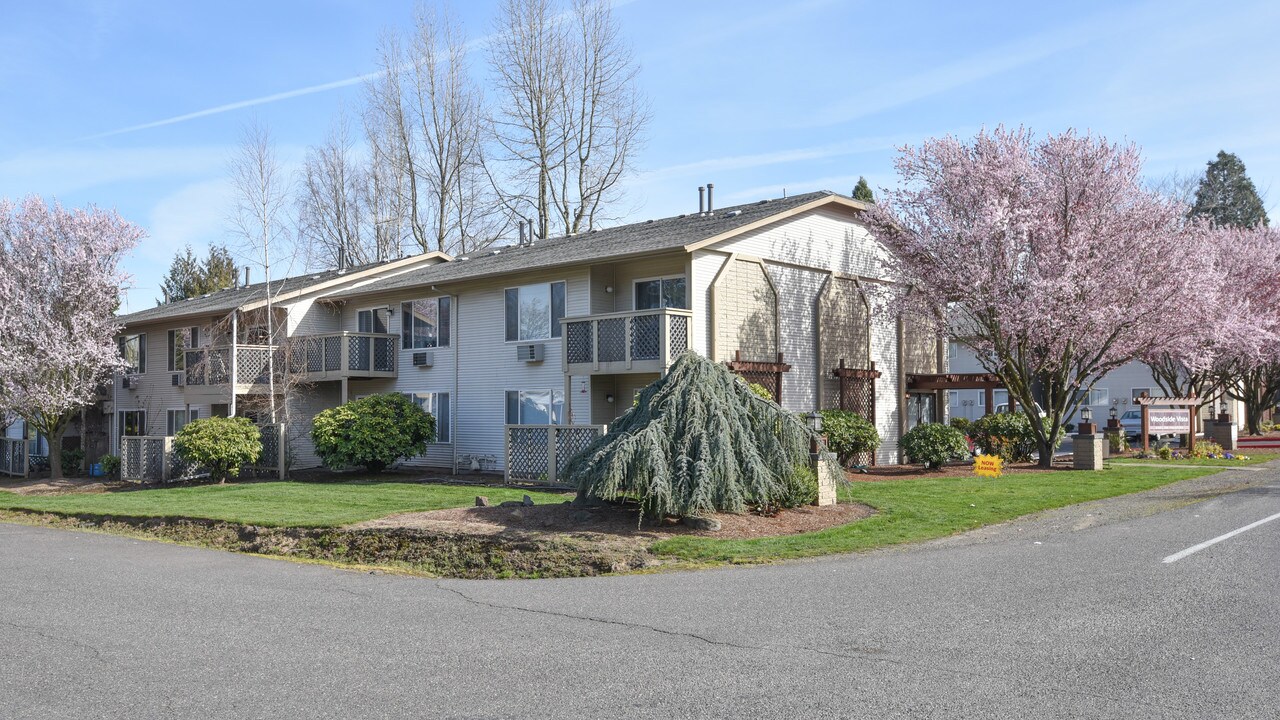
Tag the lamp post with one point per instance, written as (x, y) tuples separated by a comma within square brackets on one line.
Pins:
[(1223, 409), (1086, 421), (814, 418)]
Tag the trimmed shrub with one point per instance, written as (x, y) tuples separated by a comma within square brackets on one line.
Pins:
[(849, 434), (1007, 435), (933, 444), (802, 488), (110, 466), (72, 460), (372, 432), (961, 424), (1118, 442), (220, 445), (760, 391)]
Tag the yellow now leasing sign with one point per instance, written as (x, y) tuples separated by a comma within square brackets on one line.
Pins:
[(988, 466)]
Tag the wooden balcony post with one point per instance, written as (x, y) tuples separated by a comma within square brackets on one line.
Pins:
[(344, 354), (595, 345), (664, 339)]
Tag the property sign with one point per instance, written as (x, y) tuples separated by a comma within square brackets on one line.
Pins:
[(1164, 421), (988, 466)]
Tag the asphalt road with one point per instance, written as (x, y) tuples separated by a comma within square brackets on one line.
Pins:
[(1070, 614)]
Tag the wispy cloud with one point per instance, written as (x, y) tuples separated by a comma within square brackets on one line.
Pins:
[(780, 157), (65, 171), (471, 45)]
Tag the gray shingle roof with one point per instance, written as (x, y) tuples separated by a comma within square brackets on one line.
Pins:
[(622, 241), (222, 301)]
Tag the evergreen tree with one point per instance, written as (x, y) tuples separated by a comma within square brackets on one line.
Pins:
[(699, 440), (188, 277), (182, 279), (219, 270), (1226, 195), (863, 191)]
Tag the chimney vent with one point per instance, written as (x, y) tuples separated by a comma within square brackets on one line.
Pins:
[(702, 200), (342, 258), (246, 276), (710, 206)]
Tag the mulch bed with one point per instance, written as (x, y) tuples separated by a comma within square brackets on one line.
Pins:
[(622, 521)]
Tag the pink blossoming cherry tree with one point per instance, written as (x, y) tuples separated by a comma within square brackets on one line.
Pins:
[(59, 289), (1047, 256)]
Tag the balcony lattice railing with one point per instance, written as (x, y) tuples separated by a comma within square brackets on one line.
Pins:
[(633, 341), (329, 356)]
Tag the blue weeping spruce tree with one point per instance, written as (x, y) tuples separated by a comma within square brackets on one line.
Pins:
[(699, 440)]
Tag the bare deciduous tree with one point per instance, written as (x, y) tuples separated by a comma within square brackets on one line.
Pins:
[(424, 121), (259, 217), (570, 117), (331, 217)]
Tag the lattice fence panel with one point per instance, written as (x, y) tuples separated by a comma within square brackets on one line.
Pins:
[(611, 345), (13, 457), (528, 451), (332, 354), (195, 364), (645, 341), (357, 353), (578, 342), (857, 394), (571, 440), (679, 329), (219, 367), (314, 348), (252, 365), (384, 354)]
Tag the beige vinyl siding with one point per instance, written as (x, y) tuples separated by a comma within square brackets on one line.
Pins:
[(156, 393)]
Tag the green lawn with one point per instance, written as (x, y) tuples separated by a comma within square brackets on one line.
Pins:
[(277, 504), (926, 508), (1255, 458)]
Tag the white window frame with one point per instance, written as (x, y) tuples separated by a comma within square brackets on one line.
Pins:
[(431, 403), (120, 423), (1094, 394), (408, 318), (678, 276), (177, 361), (953, 350), (1134, 392), (506, 405), (553, 323), (373, 311), (188, 414)]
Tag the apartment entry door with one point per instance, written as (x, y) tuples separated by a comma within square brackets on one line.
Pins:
[(921, 408)]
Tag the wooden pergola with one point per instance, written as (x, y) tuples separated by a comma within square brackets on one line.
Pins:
[(987, 382)]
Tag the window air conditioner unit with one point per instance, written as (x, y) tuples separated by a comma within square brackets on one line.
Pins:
[(530, 353), (130, 382), (424, 359), (179, 379)]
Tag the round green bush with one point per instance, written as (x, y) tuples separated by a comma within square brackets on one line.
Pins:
[(1007, 435), (801, 488), (110, 466), (372, 432), (220, 445), (961, 424), (933, 444), (849, 434)]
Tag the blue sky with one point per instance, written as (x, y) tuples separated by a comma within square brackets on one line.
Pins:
[(138, 105)]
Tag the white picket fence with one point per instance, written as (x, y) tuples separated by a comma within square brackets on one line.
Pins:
[(13, 457), (539, 453), (151, 458)]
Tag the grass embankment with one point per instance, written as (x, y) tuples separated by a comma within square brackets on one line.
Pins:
[(1255, 458), (271, 504), (926, 508)]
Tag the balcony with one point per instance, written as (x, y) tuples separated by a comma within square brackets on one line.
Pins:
[(638, 341), (315, 358)]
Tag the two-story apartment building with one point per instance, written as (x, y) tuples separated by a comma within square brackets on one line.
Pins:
[(558, 331)]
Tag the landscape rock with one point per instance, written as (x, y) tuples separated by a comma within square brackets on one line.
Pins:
[(701, 523), (482, 501), (528, 501)]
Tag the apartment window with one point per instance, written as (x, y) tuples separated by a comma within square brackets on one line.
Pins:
[(424, 323), (133, 348), (655, 293), (535, 407), (373, 320), (131, 423), (953, 398), (179, 342), (437, 404), (534, 311), (953, 350), (1099, 397), (1137, 393), (178, 419)]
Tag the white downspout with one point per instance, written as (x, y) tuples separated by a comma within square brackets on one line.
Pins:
[(457, 360), (235, 334)]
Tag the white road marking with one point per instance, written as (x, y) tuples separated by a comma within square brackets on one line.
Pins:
[(1197, 548)]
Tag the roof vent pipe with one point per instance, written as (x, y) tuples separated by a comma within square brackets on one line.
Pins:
[(246, 276), (521, 224), (701, 200), (530, 235), (342, 258), (710, 206)]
